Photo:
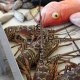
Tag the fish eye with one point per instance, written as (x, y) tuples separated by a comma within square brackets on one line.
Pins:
[(55, 15)]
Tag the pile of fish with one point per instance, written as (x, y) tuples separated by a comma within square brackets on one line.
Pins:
[(27, 16), (31, 56), (6, 6)]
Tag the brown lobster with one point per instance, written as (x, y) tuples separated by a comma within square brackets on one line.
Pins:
[(29, 41)]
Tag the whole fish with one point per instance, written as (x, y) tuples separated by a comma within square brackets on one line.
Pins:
[(6, 17), (5, 7), (19, 16), (56, 13), (17, 4)]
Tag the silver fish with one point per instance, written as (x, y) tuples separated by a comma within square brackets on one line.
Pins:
[(19, 16), (17, 4), (5, 18)]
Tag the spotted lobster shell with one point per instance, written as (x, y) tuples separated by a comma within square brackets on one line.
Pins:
[(74, 74)]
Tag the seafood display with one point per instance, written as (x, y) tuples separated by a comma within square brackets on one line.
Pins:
[(41, 52), (30, 54)]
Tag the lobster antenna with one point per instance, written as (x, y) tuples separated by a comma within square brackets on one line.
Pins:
[(71, 38), (73, 41), (41, 33)]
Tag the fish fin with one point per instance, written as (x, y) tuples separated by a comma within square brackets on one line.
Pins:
[(75, 19)]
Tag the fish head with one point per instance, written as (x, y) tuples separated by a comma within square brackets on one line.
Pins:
[(51, 14)]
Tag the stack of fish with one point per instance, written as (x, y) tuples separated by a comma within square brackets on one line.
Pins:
[(27, 16)]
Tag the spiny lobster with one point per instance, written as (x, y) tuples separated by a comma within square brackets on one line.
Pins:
[(31, 36), (29, 41), (71, 73)]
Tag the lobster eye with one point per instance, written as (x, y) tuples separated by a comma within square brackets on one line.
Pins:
[(55, 15)]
